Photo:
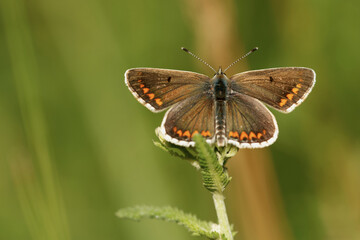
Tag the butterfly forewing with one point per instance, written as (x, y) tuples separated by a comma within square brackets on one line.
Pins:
[(281, 88), (249, 123), (193, 115), (159, 89)]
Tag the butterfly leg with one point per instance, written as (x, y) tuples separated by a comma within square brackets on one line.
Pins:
[(220, 123)]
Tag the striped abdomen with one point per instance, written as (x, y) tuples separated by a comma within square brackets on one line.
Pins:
[(220, 122)]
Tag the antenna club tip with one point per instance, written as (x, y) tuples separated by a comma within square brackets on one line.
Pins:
[(254, 49), (184, 49)]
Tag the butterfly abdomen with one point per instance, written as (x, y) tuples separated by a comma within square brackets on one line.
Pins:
[(220, 123)]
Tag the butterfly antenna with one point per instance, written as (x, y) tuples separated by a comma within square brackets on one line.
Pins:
[(237, 60), (186, 50)]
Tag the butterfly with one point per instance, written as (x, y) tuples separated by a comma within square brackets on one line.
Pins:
[(223, 110)]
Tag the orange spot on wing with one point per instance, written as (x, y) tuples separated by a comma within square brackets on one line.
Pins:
[(151, 96), (243, 135), (139, 80), (301, 80), (179, 132), (174, 129), (290, 96), (264, 131), (195, 132), (295, 90), (186, 134), (252, 135), (298, 85), (145, 90), (142, 85), (259, 136), (206, 134), (233, 134), (282, 102), (158, 101)]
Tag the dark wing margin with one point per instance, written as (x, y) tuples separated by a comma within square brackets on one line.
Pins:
[(158, 89), (193, 115), (281, 88), (249, 124)]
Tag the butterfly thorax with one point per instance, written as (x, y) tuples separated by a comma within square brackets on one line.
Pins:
[(220, 92), (220, 87)]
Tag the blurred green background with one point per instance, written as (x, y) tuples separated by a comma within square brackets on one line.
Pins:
[(75, 145)]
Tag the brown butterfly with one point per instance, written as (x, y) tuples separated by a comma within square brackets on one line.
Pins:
[(223, 110)]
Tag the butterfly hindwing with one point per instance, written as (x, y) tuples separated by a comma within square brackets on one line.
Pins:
[(281, 88), (159, 89), (249, 123), (188, 117)]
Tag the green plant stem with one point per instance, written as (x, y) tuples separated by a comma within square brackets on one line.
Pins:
[(222, 215)]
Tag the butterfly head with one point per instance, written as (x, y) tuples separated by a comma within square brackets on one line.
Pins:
[(219, 76), (220, 72)]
